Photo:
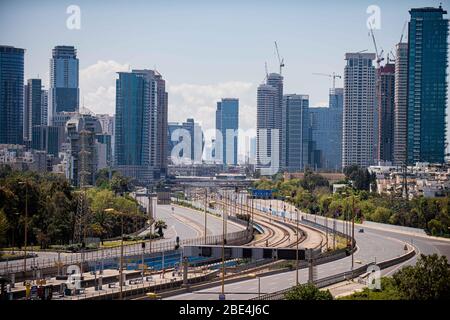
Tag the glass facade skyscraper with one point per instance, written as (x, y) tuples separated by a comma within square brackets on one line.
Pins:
[(326, 125), (427, 84), (227, 123), (11, 94), (296, 133), (63, 88), (33, 107), (136, 126)]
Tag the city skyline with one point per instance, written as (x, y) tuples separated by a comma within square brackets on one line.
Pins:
[(192, 88)]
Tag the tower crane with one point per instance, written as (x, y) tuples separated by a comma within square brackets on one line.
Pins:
[(333, 75), (403, 32), (280, 60), (380, 54)]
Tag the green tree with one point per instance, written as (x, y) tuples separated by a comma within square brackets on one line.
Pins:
[(4, 226), (160, 225), (307, 292), (429, 279), (381, 215)]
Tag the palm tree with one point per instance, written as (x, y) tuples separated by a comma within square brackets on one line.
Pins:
[(160, 225)]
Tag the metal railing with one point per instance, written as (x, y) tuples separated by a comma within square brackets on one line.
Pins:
[(343, 276), (129, 250)]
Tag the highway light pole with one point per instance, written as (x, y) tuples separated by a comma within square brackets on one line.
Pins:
[(296, 251), (222, 295), (206, 210), (25, 227)]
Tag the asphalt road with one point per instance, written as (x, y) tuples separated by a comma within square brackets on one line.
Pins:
[(373, 245)]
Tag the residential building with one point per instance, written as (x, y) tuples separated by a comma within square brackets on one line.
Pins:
[(359, 107)]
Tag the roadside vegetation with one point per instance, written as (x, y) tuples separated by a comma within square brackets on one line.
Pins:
[(52, 205), (429, 279), (313, 194), (307, 292)]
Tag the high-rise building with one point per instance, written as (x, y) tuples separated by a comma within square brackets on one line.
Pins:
[(11, 95), (63, 88), (136, 126), (46, 138), (296, 133), (44, 107), (162, 116), (359, 107), (32, 115), (191, 133), (266, 131), (427, 84), (81, 132), (276, 80), (326, 126), (385, 92), (400, 103), (227, 124)]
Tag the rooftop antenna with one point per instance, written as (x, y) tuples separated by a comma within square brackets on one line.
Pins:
[(280, 60)]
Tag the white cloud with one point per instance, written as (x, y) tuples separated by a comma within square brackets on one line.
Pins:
[(98, 86), (198, 101)]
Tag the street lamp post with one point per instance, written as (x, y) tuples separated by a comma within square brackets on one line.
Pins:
[(296, 251), (222, 296), (254, 275), (121, 252), (206, 212), (25, 227)]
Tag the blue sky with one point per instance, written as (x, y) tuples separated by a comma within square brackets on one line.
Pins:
[(204, 49)]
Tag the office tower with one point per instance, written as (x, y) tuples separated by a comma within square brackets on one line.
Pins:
[(265, 126), (385, 92), (81, 132), (46, 138), (11, 95), (326, 127), (162, 116), (136, 126), (427, 85), (63, 88), (32, 115), (227, 124), (359, 107), (44, 107), (276, 80), (400, 103), (107, 123), (189, 132), (296, 133), (105, 145)]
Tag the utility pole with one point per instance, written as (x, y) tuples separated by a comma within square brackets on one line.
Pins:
[(25, 227), (121, 259), (296, 251), (222, 296), (206, 211)]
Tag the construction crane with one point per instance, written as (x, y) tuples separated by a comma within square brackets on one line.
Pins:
[(280, 60), (403, 32), (333, 75), (380, 54)]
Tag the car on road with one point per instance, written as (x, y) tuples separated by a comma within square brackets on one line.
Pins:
[(361, 230)]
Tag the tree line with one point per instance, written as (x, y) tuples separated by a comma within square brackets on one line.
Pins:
[(314, 195), (52, 206)]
